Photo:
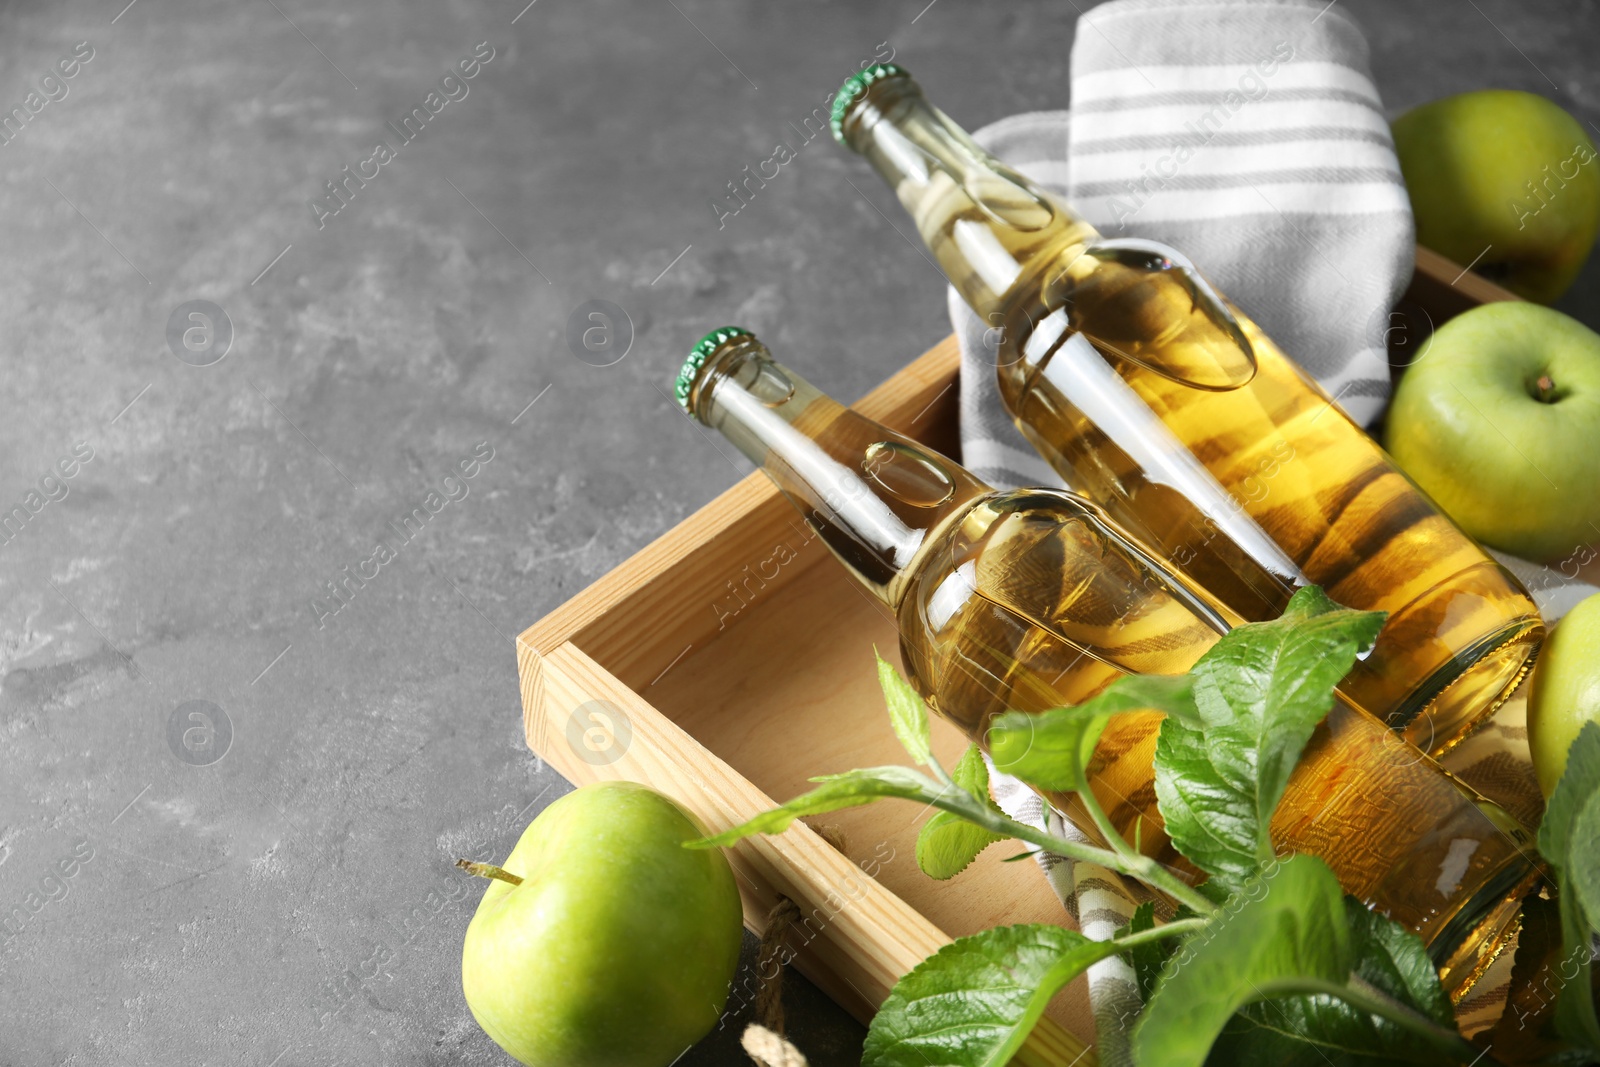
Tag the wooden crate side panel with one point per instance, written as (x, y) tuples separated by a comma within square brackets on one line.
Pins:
[(857, 937), (1445, 289), (919, 400), (695, 584)]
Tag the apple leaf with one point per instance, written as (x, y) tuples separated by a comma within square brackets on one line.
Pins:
[(1284, 933), (972, 774), (1395, 960), (1583, 860), (1051, 749), (1145, 959), (907, 713), (1562, 833), (1259, 693), (1574, 857), (973, 1003), (947, 843), (1316, 1030), (848, 790)]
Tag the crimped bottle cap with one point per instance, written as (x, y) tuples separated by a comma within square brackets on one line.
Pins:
[(853, 87), (697, 358)]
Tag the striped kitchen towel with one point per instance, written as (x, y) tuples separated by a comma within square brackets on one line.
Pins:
[(1099, 901), (1248, 135)]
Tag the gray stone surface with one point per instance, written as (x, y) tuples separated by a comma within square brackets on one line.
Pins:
[(225, 903)]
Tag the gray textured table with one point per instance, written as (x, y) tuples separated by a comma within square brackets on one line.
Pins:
[(292, 902)]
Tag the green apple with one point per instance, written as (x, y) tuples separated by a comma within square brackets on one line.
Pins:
[(1499, 421), (616, 945), (1506, 181), (1566, 690)]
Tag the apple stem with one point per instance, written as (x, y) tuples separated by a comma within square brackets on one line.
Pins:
[(488, 870), (1546, 387)]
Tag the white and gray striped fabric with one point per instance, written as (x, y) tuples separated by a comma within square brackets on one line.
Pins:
[(1099, 902), (1248, 135)]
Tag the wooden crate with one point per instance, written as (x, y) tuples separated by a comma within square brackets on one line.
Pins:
[(737, 678), (728, 677)]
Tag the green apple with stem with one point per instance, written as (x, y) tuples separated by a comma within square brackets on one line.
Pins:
[(1506, 182), (601, 941), (1565, 691), (1499, 421)]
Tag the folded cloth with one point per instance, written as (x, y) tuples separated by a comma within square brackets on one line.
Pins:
[(1248, 135)]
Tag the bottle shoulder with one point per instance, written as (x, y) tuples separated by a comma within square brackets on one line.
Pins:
[(1043, 573), (1039, 548)]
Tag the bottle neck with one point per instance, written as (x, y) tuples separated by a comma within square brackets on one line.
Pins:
[(989, 228), (1033, 270), (873, 496)]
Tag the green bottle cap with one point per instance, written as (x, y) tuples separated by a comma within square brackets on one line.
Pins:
[(697, 358), (853, 87)]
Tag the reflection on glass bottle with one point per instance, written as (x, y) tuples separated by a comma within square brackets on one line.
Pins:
[(1150, 394), (1031, 599), (1545, 970)]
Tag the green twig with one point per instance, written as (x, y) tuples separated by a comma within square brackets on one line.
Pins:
[(1128, 862), (1133, 865), (1138, 864), (1102, 822), (1177, 928)]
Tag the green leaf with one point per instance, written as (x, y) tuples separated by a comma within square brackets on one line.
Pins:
[(907, 713), (1575, 1015), (849, 790), (1285, 932), (1577, 784), (1570, 854), (947, 844), (1395, 960), (1583, 859), (1148, 958), (1051, 749), (972, 775), (972, 1003), (1259, 693), (1320, 1029)]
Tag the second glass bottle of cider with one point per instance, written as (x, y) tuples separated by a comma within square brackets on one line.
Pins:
[(1030, 599), (1150, 394)]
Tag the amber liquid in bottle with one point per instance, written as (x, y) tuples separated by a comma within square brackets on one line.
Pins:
[(1150, 394), (1031, 599)]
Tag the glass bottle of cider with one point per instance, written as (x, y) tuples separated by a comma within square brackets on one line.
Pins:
[(1031, 599), (1150, 394)]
